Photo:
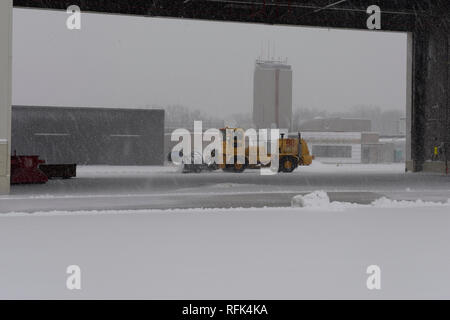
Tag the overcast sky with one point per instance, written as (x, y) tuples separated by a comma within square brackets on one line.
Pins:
[(122, 61)]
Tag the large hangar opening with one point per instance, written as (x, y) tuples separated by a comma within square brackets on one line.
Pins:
[(223, 74), (109, 96)]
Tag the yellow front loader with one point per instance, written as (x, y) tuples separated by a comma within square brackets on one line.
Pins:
[(293, 152)]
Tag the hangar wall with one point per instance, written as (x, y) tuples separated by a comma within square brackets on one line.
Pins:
[(89, 136), (430, 125)]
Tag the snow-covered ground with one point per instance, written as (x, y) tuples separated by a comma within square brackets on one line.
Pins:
[(311, 234), (321, 251)]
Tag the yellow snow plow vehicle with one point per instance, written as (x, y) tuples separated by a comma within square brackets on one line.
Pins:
[(293, 152)]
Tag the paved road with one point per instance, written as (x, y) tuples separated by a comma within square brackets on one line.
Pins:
[(166, 190), (299, 181)]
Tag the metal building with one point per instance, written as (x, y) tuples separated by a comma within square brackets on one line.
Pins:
[(272, 100), (89, 136)]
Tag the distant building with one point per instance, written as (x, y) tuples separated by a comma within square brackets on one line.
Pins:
[(349, 141), (272, 100), (337, 125), (89, 136)]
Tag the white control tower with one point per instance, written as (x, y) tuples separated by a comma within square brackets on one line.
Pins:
[(272, 101)]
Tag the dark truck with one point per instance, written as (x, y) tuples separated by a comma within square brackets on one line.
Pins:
[(63, 171), (32, 170)]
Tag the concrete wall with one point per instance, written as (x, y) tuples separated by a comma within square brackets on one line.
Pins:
[(5, 92), (89, 136)]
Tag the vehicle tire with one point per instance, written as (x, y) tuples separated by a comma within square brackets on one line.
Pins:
[(197, 169), (288, 164), (239, 168), (228, 168)]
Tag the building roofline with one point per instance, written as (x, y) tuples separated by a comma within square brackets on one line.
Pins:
[(87, 108)]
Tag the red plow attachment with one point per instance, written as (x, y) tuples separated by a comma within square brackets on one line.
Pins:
[(25, 170)]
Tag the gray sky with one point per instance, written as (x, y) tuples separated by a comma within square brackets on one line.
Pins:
[(122, 61)]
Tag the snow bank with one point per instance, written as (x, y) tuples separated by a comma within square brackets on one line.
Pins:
[(388, 203), (321, 200), (318, 200)]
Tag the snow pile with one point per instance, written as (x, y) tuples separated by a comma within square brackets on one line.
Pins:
[(318, 199)]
